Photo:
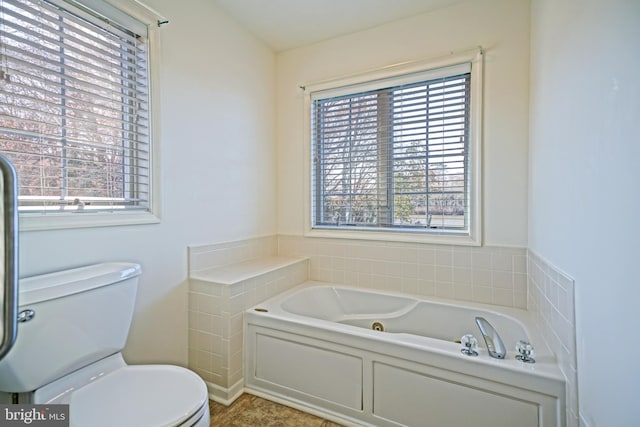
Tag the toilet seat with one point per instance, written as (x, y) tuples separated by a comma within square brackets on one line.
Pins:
[(147, 395)]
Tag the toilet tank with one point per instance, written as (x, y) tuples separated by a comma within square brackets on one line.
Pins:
[(80, 316)]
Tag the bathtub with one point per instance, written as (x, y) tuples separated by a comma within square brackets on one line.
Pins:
[(362, 357)]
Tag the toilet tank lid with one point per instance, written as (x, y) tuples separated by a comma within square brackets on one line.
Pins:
[(67, 282)]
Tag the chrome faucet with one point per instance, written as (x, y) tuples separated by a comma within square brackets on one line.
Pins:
[(491, 338)]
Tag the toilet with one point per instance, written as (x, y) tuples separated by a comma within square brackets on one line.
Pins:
[(73, 326)]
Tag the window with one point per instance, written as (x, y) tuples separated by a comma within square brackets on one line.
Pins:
[(396, 155), (74, 108)]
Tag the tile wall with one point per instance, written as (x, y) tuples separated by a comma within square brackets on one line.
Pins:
[(204, 257), (493, 275), (551, 298), (219, 293)]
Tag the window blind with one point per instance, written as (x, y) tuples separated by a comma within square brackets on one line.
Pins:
[(74, 107), (393, 157)]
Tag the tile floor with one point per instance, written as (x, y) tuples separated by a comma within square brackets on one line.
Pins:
[(252, 411)]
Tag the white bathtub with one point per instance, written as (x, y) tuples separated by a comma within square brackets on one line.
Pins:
[(313, 348)]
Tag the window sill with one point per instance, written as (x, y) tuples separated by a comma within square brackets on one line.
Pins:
[(443, 238), (59, 221)]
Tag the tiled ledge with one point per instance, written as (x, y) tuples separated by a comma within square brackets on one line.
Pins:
[(236, 273), (219, 294)]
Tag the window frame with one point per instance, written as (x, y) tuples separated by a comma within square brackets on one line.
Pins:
[(400, 71), (131, 13)]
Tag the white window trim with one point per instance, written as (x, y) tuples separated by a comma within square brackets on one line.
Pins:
[(57, 221), (474, 237)]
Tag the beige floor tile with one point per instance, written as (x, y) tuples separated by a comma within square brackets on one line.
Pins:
[(253, 411)]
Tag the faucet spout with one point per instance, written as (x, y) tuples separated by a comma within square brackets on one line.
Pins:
[(494, 343)]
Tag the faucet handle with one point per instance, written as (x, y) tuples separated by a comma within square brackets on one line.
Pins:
[(525, 349), (470, 344)]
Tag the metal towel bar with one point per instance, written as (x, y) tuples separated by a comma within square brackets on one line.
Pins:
[(10, 250)]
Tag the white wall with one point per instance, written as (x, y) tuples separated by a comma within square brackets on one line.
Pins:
[(217, 169), (500, 26), (584, 175)]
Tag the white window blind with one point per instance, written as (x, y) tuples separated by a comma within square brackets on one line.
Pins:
[(395, 155), (74, 107)]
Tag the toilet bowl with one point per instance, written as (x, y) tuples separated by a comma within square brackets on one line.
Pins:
[(111, 393), (69, 353)]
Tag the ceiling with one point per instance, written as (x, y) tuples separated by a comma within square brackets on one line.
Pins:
[(287, 24)]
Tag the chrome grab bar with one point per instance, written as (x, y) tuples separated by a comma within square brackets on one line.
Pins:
[(10, 282)]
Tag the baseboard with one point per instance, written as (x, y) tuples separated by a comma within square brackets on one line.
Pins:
[(225, 396), (583, 422)]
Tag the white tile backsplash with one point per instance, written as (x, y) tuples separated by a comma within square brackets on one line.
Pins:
[(202, 257), (551, 300), (489, 274)]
